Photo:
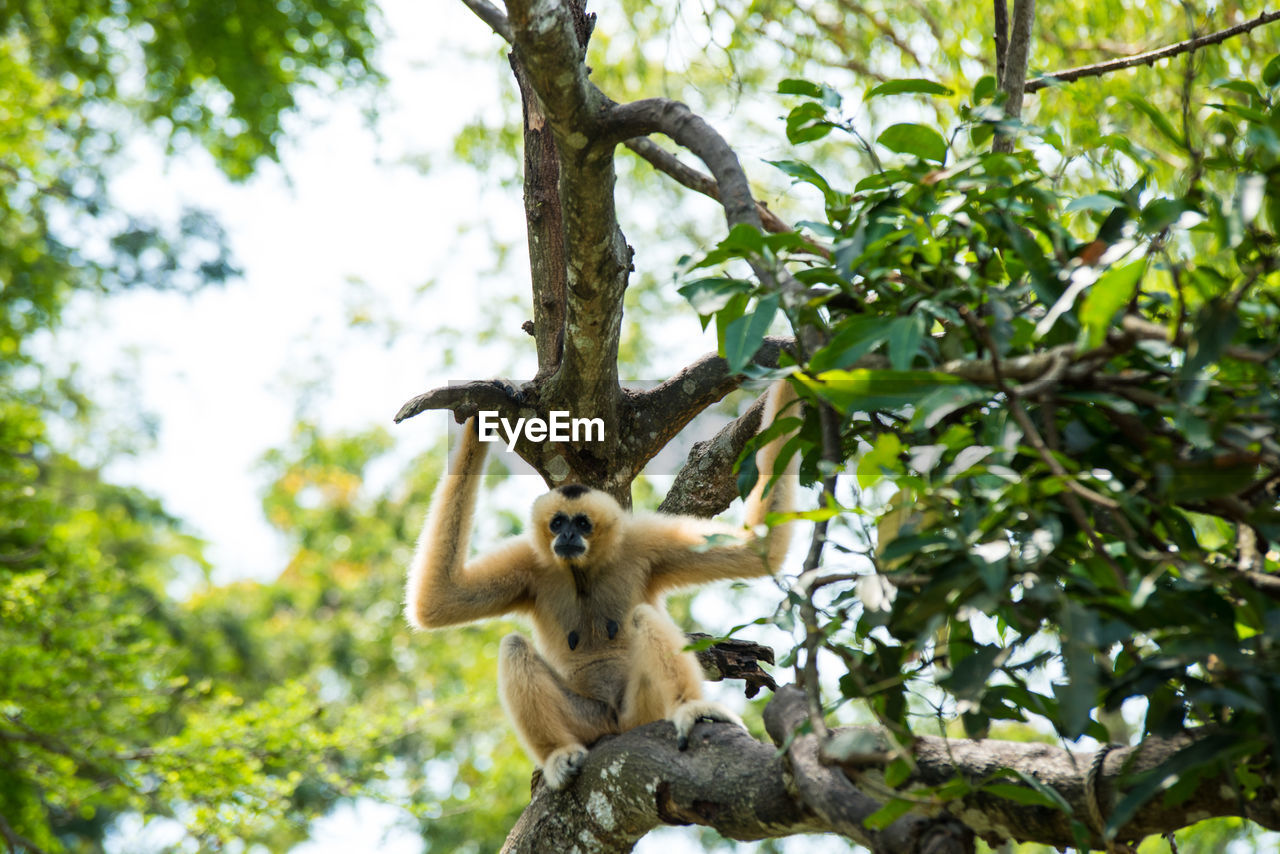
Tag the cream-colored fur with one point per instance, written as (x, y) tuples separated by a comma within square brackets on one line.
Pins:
[(606, 656)]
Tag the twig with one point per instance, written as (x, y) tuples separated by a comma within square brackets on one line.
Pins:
[(464, 399), (1002, 37), (1071, 75)]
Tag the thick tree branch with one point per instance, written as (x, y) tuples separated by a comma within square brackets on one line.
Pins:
[(544, 226), (657, 415), (550, 45), (637, 781), (1017, 56), (464, 400), (1150, 57), (670, 165), (830, 794), (706, 484), (687, 129)]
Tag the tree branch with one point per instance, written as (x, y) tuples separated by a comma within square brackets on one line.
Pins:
[(1001, 10), (492, 16), (550, 45), (638, 780), (1071, 75), (706, 485), (689, 130), (657, 415), (464, 399), (735, 659), (670, 165), (1016, 58)]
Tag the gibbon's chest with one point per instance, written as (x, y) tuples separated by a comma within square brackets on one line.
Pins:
[(574, 620)]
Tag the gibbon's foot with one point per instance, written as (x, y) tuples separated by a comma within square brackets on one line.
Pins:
[(563, 765), (689, 713)]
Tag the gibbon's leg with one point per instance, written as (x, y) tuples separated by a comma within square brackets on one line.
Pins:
[(665, 681), (553, 722)]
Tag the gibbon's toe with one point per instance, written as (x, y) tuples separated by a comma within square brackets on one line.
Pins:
[(689, 713), (563, 765)]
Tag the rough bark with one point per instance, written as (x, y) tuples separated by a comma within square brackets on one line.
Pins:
[(1017, 55), (747, 790), (544, 224)]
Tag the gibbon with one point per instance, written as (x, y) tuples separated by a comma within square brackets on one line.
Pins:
[(606, 656)]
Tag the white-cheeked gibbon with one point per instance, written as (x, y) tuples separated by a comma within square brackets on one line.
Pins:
[(592, 578)]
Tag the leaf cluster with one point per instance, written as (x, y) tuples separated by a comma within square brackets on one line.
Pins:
[(1060, 410)]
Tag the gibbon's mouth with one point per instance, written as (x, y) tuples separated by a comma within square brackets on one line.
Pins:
[(570, 552)]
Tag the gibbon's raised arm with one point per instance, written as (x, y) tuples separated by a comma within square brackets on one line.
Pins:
[(685, 556), (441, 590)]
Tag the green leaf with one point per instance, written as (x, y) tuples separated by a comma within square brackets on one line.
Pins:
[(941, 402), (1023, 795), (905, 335), (857, 337), (908, 86), (745, 334), (887, 814), (1077, 698), (743, 238), (726, 316), (1271, 74), (918, 140), (1215, 325), (1094, 202), (803, 172), (1242, 86), (709, 295), (897, 772), (882, 458), (808, 122), (968, 678), (1109, 294), (984, 88), (796, 86), (867, 390), (1158, 119), (1162, 213)]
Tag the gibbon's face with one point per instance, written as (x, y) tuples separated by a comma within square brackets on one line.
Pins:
[(573, 521), (570, 534)]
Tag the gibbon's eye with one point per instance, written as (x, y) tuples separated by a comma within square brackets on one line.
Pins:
[(557, 522), (583, 523)]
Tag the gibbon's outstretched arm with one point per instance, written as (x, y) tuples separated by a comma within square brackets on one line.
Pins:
[(680, 551), (441, 590)]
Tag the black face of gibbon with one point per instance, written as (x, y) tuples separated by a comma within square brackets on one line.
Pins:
[(570, 534)]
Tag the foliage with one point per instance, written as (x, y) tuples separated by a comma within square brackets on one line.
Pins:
[(241, 711), (1060, 408)]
